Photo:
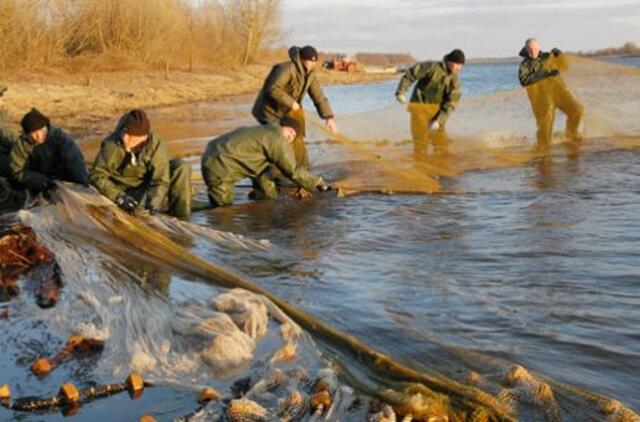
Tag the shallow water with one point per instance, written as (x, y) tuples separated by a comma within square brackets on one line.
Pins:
[(536, 265)]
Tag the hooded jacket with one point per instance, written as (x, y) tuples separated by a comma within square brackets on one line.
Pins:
[(287, 83), (436, 85), (248, 152)]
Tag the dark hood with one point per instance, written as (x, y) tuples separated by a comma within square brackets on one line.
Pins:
[(294, 55)]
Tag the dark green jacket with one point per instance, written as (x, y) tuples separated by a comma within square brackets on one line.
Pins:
[(248, 152), (114, 170), (7, 140), (7, 137), (287, 83), (58, 157), (435, 86), (532, 70)]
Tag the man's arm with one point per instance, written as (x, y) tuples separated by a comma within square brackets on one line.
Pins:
[(281, 155), (104, 166), (449, 102), (277, 82), (415, 72), (30, 179), (319, 99), (529, 75)]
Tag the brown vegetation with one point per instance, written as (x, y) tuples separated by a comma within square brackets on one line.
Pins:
[(89, 35), (628, 49)]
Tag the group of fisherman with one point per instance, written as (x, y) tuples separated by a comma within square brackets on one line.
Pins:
[(134, 171)]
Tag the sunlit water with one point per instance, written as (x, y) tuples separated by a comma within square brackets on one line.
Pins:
[(535, 265), (538, 265)]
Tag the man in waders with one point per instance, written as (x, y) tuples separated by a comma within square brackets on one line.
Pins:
[(133, 170), (539, 73), (283, 91), (434, 98), (248, 152)]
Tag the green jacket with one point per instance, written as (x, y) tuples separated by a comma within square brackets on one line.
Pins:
[(248, 152), (287, 83), (58, 157), (435, 86), (115, 171), (532, 70)]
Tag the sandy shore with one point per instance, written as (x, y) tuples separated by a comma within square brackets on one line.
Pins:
[(86, 104)]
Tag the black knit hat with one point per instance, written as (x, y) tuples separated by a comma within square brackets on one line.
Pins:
[(136, 123), (308, 53), (34, 120), (292, 123), (456, 56)]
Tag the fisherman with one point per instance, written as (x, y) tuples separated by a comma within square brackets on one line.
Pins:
[(540, 76), (133, 170), (7, 137), (44, 153), (434, 98), (249, 152), (283, 91)]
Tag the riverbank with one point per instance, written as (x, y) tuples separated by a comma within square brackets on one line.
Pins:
[(84, 103)]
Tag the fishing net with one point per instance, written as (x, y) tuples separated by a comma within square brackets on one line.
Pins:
[(126, 277), (257, 348), (375, 151)]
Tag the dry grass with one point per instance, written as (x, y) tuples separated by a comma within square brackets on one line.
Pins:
[(94, 35)]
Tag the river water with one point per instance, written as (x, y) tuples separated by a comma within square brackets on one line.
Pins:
[(537, 265)]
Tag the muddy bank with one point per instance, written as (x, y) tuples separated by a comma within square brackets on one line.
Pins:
[(86, 103)]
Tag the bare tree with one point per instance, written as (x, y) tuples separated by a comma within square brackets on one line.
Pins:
[(258, 24)]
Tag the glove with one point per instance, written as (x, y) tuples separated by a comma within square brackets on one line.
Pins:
[(325, 187), (553, 72), (127, 203), (401, 98), (434, 125), (152, 210), (556, 52)]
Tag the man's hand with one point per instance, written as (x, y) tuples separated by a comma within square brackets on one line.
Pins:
[(331, 125), (556, 52), (295, 106), (45, 184), (553, 72), (127, 203), (325, 187), (434, 125), (152, 210), (401, 98)]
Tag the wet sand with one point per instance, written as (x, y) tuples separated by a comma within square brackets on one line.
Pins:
[(86, 103)]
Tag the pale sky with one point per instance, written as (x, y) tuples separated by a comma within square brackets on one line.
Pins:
[(482, 28)]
